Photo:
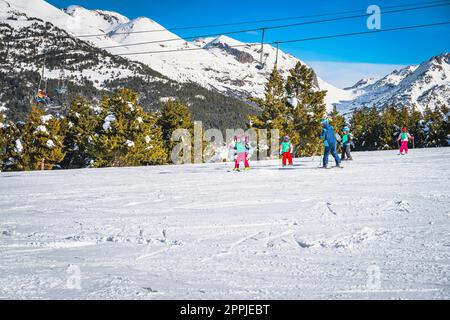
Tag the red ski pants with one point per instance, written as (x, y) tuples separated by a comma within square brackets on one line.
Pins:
[(404, 147), (241, 157), (287, 156)]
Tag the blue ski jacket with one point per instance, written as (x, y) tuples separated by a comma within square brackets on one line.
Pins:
[(328, 136)]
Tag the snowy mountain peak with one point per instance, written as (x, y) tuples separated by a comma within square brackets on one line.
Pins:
[(362, 83), (144, 24), (420, 86), (222, 39), (105, 21)]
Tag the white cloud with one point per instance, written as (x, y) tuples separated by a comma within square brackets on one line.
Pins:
[(346, 74)]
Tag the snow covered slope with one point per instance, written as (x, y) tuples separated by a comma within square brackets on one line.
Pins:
[(427, 84), (182, 232)]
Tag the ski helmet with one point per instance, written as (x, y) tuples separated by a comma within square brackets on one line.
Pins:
[(346, 129), (286, 138)]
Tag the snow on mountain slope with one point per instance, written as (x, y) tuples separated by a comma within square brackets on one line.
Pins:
[(181, 232), (25, 22), (81, 24), (427, 84), (232, 71), (104, 21)]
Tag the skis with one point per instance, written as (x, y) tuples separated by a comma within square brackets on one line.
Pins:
[(329, 168), (239, 170)]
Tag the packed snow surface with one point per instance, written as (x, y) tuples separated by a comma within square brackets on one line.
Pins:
[(379, 228)]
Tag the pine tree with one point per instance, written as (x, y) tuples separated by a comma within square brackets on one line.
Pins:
[(126, 136), (79, 129), (274, 111), (445, 126), (2, 135), (389, 129), (13, 157), (42, 141), (174, 115), (309, 111), (436, 126), (366, 126), (415, 127)]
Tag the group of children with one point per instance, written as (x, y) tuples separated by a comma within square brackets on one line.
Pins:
[(242, 148), (243, 151)]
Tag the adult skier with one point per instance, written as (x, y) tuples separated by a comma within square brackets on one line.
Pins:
[(404, 138), (329, 140), (346, 141), (286, 150), (242, 149)]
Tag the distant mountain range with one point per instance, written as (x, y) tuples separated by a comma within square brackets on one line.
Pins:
[(426, 84)]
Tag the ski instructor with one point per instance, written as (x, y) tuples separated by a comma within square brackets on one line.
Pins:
[(329, 140)]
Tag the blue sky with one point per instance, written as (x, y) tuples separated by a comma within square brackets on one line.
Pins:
[(341, 61)]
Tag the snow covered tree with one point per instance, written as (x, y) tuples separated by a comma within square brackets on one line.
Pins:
[(416, 126), (389, 129), (274, 112), (42, 141), (13, 157), (79, 129), (127, 136), (2, 134), (308, 110), (174, 115), (436, 126)]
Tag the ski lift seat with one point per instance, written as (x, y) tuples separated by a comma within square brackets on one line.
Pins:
[(61, 90)]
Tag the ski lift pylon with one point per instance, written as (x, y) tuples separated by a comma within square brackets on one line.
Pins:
[(276, 57)]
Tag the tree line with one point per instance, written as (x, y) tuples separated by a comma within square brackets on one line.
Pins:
[(115, 134)]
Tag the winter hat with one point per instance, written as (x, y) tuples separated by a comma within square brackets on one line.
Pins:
[(404, 129), (286, 138)]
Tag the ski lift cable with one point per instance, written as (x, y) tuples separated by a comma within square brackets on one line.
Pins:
[(272, 27), (259, 21), (300, 40)]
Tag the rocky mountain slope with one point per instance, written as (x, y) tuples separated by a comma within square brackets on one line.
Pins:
[(419, 86)]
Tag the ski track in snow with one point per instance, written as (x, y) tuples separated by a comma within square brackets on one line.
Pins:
[(200, 232)]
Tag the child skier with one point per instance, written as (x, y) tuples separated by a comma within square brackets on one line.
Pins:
[(346, 141), (286, 150), (404, 138), (241, 148), (329, 141)]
